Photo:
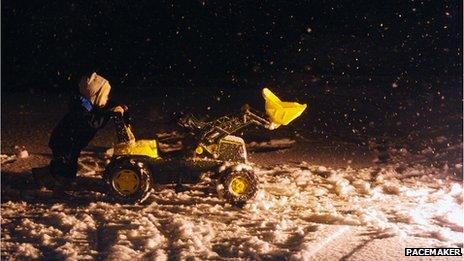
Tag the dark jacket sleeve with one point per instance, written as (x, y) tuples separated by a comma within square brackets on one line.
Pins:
[(77, 128), (97, 118)]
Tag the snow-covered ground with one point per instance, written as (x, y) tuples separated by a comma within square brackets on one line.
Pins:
[(302, 211)]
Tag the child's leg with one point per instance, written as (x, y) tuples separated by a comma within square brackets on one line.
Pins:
[(63, 167)]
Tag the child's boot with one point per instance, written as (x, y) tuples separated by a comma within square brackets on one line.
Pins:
[(45, 179)]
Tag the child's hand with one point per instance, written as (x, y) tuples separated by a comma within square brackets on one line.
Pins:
[(120, 109)]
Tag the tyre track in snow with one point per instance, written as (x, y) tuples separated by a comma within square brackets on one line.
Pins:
[(12, 234), (102, 237), (50, 231), (169, 233)]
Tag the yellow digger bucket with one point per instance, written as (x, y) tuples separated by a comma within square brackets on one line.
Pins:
[(279, 112)]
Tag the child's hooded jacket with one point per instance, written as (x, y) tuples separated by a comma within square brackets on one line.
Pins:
[(88, 112)]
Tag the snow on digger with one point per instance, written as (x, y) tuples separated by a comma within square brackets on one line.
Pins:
[(136, 165)]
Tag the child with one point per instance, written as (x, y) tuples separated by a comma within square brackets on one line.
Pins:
[(89, 111)]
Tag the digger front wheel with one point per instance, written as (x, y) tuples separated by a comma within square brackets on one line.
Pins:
[(239, 186)]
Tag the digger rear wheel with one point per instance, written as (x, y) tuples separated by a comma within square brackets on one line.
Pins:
[(128, 180)]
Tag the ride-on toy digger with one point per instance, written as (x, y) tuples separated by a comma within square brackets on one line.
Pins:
[(208, 147)]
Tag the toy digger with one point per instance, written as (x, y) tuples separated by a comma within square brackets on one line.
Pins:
[(210, 147)]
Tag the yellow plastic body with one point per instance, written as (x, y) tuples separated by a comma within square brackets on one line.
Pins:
[(279, 112), (140, 147)]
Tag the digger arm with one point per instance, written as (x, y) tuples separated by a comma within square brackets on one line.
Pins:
[(228, 125), (278, 113)]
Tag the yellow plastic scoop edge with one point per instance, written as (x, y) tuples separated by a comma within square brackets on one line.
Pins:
[(279, 112)]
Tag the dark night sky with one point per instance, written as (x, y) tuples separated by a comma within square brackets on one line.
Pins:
[(148, 44)]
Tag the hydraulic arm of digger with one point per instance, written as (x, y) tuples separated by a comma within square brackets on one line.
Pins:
[(226, 125), (278, 112)]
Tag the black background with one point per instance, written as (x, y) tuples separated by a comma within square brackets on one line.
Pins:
[(199, 44)]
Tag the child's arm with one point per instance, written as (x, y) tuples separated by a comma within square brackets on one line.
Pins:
[(115, 107), (98, 117)]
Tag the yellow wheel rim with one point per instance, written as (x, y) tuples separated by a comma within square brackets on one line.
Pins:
[(126, 182), (199, 150), (238, 186)]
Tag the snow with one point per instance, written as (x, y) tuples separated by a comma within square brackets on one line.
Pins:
[(21, 152), (7, 158), (26, 250), (234, 167), (273, 144), (300, 211)]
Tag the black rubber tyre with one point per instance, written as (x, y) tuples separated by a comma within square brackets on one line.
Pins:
[(234, 178), (128, 180)]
